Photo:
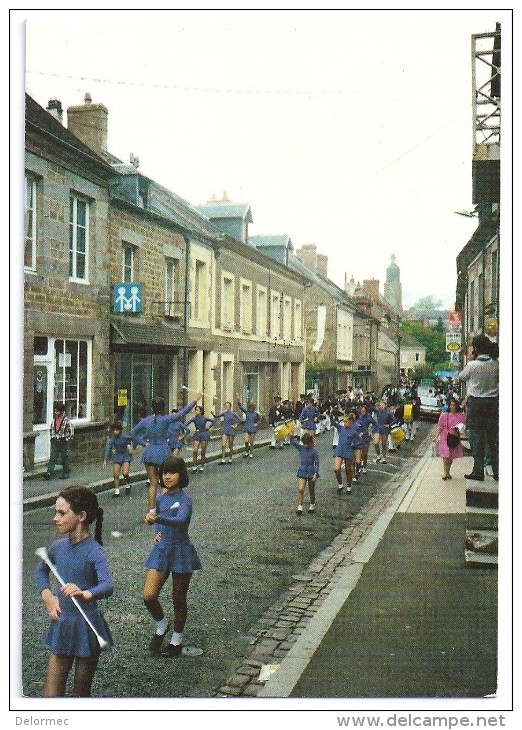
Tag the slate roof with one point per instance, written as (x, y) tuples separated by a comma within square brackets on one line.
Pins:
[(223, 209), (44, 133), (281, 240)]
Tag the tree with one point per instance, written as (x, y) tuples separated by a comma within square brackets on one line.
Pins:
[(433, 340), (428, 303)]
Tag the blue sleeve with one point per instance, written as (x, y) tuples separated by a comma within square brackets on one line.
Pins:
[(295, 441), (136, 432), (243, 410), (42, 576), (316, 461), (183, 412), (105, 585), (178, 516), (108, 449)]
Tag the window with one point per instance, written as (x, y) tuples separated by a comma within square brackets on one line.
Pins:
[(494, 276), (172, 306), (200, 291), (275, 316), (30, 224), (72, 376), (471, 307), (287, 319), (261, 312), (417, 357), (245, 310), (480, 298), (227, 303), (298, 320), (127, 263), (78, 238)]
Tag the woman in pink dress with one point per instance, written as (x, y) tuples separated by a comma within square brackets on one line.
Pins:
[(451, 421)]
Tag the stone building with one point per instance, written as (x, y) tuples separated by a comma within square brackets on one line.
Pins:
[(66, 287)]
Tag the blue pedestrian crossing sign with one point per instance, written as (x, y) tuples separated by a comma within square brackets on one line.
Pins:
[(127, 298)]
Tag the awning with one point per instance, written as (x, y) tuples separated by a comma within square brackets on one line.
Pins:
[(148, 336)]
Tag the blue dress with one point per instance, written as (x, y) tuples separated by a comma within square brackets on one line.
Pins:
[(175, 429), (229, 420), (118, 444), (85, 564), (152, 432), (200, 424), (309, 464), (384, 420), (174, 553), (364, 425), (349, 440), (309, 417), (251, 421)]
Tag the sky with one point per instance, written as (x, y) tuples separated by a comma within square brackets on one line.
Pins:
[(347, 129)]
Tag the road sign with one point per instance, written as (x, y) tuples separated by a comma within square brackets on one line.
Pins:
[(453, 341)]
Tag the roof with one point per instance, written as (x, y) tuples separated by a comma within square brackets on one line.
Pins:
[(44, 133), (223, 209), (268, 241)]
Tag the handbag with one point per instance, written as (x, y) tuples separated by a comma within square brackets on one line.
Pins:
[(452, 439)]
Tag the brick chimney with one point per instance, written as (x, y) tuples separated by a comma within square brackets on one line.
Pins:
[(89, 123), (54, 107), (308, 255), (322, 265), (371, 287)]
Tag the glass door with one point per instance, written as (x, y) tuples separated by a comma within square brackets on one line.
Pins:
[(42, 408)]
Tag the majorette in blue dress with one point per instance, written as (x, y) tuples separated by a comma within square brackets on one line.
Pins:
[(200, 424), (174, 434), (118, 446), (251, 421), (152, 432), (85, 564), (349, 439), (230, 419), (309, 417), (175, 552), (309, 463)]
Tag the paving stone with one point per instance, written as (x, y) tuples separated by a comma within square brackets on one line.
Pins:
[(238, 680), (226, 691)]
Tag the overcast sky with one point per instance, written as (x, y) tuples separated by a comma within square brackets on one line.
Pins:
[(347, 129)]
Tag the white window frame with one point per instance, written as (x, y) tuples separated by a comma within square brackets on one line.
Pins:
[(287, 319), (30, 208), (171, 286), (127, 247), (245, 307), (275, 314), (200, 290), (227, 302), (74, 200), (261, 311), (88, 387), (298, 319)]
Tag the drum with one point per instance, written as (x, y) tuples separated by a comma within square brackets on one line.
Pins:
[(397, 434), (283, 431)]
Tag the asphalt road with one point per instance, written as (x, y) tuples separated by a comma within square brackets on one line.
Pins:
[(250, 542)]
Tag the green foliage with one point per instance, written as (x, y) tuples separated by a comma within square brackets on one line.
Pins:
[(433, 340), (427, 303)]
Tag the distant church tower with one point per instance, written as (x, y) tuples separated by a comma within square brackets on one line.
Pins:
[(393, 286)]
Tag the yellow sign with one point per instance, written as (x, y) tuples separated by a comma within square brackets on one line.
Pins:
[(453, 347), (122, 397)]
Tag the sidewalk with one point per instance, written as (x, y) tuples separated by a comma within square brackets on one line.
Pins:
[(406, 618)]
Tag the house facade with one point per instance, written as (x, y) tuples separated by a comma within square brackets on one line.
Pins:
[(66, 287)]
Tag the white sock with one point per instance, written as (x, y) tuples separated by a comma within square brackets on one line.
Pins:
[(161, 626), (176, 639), (116, 491), (153, 509)]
